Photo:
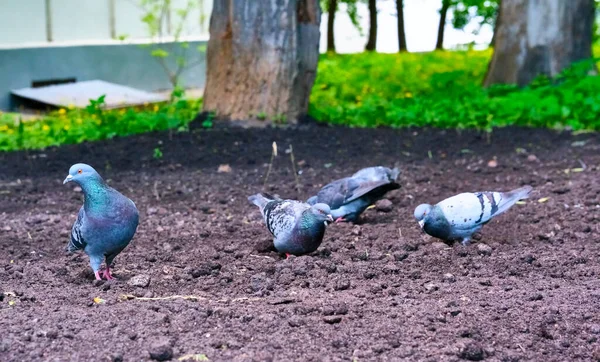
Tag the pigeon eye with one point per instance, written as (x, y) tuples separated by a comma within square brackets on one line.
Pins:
[(79, 171)]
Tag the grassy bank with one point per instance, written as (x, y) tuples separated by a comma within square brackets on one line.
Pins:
[(436, 89)]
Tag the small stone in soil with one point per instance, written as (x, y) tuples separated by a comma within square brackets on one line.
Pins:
[(449, 278), (203, 270), (430, 287), (141, 281), (332, 319), (161, 351), (484, 249), (384, 205), (472, 352), (536, 297), (296, 322), (342, 285), (400, 256), (52, 334)]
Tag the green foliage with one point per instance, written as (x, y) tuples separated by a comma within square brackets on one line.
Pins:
[(159, 53), (261, 116), (465, 11), (351, 11), (96, 105), (172, 56), (208, 122), (157, 153), (280, 119), (443, 89), (71, 125), (437, 89)]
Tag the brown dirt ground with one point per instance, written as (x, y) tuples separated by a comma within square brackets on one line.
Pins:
[(380, 290)]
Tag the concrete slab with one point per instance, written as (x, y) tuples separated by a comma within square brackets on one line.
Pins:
[(78, 94)]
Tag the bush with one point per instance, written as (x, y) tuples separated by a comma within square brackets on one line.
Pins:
[(443, 89), (72, 125)]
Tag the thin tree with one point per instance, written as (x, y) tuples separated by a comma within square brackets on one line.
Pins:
[(401, 32), (439, 45), (540, 38), (262, 58), (497, 21), (331, 10), (372, 41)]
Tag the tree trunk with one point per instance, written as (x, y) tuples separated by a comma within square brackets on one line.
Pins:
[(496, 26), (439, 45), (372, 42), (537, 37), (401, 32), (262, 58), (331, 10)]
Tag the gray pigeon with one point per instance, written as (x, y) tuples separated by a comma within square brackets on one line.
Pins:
[(350, 196), (106, 222), (460, 216), (298, 227)]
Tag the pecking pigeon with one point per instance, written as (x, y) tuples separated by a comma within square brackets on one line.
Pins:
[(106, 222), (460, 216), (298, 227), (350, 196)]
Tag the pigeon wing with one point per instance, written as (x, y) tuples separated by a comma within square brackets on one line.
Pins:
[(281, 216), (467, 210), (358, 189), (377, 173), (334, 194), (77, 241)]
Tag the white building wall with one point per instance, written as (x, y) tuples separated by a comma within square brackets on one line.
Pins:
[(22, 21), (81, 22), (77, 22)]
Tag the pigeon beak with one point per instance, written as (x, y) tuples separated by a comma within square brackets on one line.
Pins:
[(421, 223), (329, 219), (68, 179)]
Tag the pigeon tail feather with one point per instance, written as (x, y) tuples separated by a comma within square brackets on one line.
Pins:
[(511, 197), (262, 199)]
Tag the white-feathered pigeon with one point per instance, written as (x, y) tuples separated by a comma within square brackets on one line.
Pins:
[(298, 227), (106, 222), (350, 196), (460, 216)]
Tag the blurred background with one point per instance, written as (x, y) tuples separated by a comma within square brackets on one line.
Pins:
[(77, 66)]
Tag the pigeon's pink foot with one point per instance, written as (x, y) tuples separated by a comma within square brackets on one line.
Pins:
[(287, 255), (107, 274), (340, 219), (97, 274)]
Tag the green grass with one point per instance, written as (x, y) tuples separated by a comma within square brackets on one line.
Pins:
[(443, 89), (67, 126), (437, 89)]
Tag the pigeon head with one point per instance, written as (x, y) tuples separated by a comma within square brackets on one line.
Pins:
[(322, 212), (82, 174), (421, 212)]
